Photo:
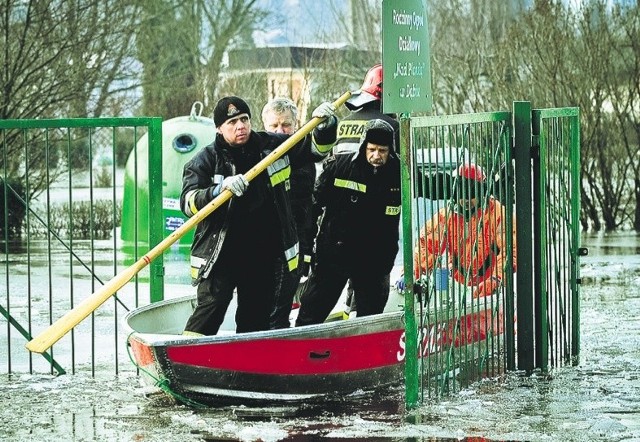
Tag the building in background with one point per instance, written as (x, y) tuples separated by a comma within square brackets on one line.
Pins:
[(289, 69)]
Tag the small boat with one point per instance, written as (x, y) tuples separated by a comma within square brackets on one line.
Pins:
[(338, 357)]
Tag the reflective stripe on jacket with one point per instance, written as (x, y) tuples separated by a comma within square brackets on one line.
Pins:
[(207, 169)]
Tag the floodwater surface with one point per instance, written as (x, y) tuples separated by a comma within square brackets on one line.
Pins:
[(597, 400)]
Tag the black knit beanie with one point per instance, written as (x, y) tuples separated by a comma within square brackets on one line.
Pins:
[(229, 107)]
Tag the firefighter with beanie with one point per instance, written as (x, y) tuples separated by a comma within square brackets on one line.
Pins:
[(358, 199), (242, 245), (472, 233), (365, 104)]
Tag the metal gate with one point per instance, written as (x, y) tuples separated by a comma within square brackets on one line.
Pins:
[(458, 330), (59, 234)]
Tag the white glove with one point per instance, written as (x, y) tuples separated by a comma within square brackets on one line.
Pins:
[(237, 184), (325, 110)]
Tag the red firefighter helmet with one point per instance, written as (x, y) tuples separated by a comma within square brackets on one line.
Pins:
[(371, 89), (469, 183), (471, 172)]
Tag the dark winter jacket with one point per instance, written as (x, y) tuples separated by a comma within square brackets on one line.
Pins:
[(302, 182), (351, 127), (206, 170), (359, 227)]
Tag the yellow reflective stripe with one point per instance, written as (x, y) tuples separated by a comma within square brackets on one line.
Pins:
[(280, 177), (392, 210), (190, 203), (322, 149), (293, 263), (196, 263), (279, 171), (348, 184), (291, 255)]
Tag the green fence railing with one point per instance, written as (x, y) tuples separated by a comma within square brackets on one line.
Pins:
[(61, 199), (462, 331), (557, 132)]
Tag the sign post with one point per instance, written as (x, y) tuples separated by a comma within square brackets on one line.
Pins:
[(407, 88)]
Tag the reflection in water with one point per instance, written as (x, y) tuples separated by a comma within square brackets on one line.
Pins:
[(612, 244)]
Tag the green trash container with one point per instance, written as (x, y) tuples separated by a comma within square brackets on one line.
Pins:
[(182, 137)]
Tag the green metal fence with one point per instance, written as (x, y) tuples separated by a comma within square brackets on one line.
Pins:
[(55, 252), (463, 331), (59, 233), (556, 134)]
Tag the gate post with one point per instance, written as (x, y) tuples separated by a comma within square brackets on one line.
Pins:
[(412, 384), (524, 191)]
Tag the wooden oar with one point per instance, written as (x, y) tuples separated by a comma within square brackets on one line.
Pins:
[(58, 329)]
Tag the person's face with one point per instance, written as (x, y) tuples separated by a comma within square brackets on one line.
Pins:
[(376, 154), (282, 123), (236, 130), (467, 204)]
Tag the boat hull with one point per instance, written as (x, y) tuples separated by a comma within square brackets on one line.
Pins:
[(295, 364)]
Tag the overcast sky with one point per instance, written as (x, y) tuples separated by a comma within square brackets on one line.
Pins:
[(300, 22)]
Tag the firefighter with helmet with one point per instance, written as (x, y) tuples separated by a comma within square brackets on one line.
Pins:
[(365, 104), (472, 233)]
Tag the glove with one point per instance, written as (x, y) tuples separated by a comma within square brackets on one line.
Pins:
[(486, 287), (400, 284), (237, 184), (325, 110)]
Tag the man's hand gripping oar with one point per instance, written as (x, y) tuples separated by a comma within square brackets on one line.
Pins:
[(62, 326)]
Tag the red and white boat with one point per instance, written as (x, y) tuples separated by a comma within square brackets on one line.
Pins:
[(337, 357)]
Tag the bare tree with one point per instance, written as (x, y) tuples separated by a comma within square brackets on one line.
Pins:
[(167, 43), (623, 70), (64, 57), (555, 56), (59, 58), (182, 44)]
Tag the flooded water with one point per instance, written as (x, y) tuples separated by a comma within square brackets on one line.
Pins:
[(598, 400)]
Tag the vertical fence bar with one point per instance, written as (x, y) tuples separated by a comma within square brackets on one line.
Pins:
[(411, 340), (541, 305), (575, 235), (524, 234), (156, 220)]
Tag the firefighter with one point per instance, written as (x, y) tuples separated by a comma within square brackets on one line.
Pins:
[(358, 197), (244, 244), (472, 233), (365, 105)]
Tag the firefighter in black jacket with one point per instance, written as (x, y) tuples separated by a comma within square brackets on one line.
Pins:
[(243, 244), (280, 115), (358, 237), (365, 105)]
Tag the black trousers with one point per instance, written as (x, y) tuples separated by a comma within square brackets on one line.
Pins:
[(251, 274), (325, 286), (286, 285)]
